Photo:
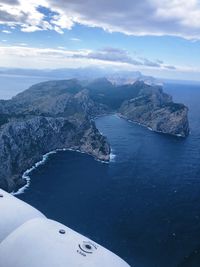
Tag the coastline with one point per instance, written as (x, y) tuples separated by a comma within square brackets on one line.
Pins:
[(112, 156), (45, 157), (149, 128)]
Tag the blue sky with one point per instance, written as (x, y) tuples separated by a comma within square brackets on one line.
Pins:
[(159, 38)]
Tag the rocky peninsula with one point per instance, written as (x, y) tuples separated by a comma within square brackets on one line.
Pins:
[(59, 115)]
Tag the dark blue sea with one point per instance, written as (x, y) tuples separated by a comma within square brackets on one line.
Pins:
[(145, 204)]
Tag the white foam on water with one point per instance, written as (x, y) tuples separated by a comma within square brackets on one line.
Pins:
[(149, 128), (112, 156), (26, 176), (45, 157)]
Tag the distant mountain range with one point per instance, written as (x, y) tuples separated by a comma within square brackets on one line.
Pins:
[(85, 74)]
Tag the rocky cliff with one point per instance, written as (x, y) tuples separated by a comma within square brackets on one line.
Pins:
[(48, 116), (58, 114), (157, 111), (144, 104), (22, 143)]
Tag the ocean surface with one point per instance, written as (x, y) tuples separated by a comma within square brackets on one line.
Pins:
[(145, 204), (10, 85)]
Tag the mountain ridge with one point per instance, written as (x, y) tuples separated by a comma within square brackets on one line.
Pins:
[(59, 115)]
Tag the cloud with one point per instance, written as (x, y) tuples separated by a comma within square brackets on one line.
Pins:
[(160, 61), (111, 55), (7, 18), (61, 57), (10, 2), (22, 44), (147, 17), (75, 39), (169, 67), (30, 17), (150, 63), (116, 55), (28, 57), (24, 14), (6, 31), (61, 47)]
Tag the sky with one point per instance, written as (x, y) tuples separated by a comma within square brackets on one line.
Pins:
[(158, 38)]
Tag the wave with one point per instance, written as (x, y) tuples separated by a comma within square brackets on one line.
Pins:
[(112, 156), (45, 157), (26, 176)]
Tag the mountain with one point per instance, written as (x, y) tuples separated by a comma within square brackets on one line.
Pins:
[(130, 77), (46, 117), (59, 115), (116, 77), (157, 112)]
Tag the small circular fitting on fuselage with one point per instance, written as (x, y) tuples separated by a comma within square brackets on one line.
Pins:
[(87, 247), (62, 231)]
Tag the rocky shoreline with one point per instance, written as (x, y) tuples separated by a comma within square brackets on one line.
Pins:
[(149, 128), (26, 175), (181, 128), (24, 142), (58, 115)]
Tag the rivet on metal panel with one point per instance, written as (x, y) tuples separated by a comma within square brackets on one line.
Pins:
[(61, 231)]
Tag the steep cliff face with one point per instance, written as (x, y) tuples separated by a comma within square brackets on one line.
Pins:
[(58, 114), (22, 143), (156, 110), (46, 117)]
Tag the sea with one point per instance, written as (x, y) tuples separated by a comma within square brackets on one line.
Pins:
[(145, 204)]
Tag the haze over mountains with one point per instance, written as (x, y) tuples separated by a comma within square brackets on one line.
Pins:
[(16, 80), (115, 76)]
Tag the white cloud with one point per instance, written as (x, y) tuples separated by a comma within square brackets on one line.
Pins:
[(62, 21), (10, 2), (27, 28), (61, 57), (31, 57), (30, 18), (6, 31), (22, 44), (114, 55), (61, 47), (75, 39), (147, 17), (40, 58)]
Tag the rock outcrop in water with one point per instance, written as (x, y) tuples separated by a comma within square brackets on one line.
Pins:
[(58, 114)]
